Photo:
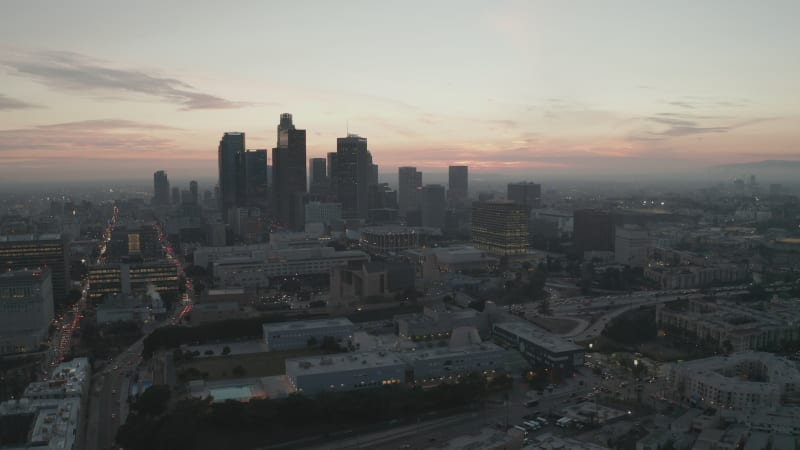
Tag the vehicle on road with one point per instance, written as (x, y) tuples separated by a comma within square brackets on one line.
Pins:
[(531, 403)]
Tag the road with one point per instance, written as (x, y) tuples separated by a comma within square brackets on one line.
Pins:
[(430, 433), (108, 407)]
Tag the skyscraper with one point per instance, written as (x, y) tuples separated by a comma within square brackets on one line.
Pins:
[(500, 227), (160, 188), (176, 195), (353, 174), (458, 185), (318, 178), (593, 230), (289, 172), (432, 205), (193, 189), (255, 162), (333, 183), (408, 182), (231, 171), (525, 193)]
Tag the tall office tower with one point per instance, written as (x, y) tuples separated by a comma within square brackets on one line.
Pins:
[(407, 183), (26, 309), (176, 195), (160, 188), (22, 252), (289, 172), (353, 173), (432, 205), (525, 193), (255, 162), (318, 177), (593, 231), (458, 185), (231, 171), (332, 181), (195, 192), (500, 227), (373, 174)]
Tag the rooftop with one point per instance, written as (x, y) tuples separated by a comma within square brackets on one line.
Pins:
[(538, 336), (307, 324), (341, 362)]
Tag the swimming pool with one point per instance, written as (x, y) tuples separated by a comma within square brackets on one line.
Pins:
[(220, 394)]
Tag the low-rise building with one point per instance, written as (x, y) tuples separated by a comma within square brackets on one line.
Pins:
[(539, 347), (449, 363), (734, 326), (436, 322), (344, 372), (744, 381), (297, 335)]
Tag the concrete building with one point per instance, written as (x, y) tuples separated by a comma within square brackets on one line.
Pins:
[(370, 280), (28, 251), (430, 263), (457, 185), (344, 372), (409, 179), (432, 205), (118, 278), (450, 363), (436, 322), (323, 212), (296, 335), (691, 277), (500, 227), (388, 239), (551, 224), (250, 272), (593, 230), (50, 414), (26, 310), (525, 193), (735, 326), (743, 381), (539, 347), (630, 245)]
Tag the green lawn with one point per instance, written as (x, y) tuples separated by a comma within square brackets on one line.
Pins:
[(254, 364)]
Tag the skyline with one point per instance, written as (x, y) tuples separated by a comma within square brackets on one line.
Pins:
[(513, 87)]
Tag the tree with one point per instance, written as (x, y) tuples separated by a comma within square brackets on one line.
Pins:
[(153, 401), (544, 307), (226, 350), (312, 342), (238, 371)]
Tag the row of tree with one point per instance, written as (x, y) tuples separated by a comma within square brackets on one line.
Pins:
[(201, 424)]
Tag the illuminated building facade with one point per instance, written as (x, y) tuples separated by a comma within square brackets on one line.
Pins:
[(32, 252), (107, 279), (500, 227), (26, 309)]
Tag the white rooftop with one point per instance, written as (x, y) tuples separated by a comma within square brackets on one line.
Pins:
[(341, 362)]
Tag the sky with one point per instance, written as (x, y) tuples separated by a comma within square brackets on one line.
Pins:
[(118, 90)]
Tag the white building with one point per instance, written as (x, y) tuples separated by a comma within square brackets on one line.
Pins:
[(26, 309), (540, 348), (48, 416), (744, 381), (344, 372), (250, 272), (296, 335), (448, 363), (630, 245)]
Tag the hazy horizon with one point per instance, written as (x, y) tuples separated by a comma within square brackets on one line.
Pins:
[(98, 91)]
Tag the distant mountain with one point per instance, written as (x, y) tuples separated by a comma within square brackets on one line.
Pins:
[(782, 164)]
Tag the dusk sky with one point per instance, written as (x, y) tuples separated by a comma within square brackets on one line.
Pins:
[(107, 89)]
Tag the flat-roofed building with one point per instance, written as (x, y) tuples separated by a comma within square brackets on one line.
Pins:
[(539, 347), (345, 372), (500, 227), (298, 334), (121, 278), (20, 252), (449, 363), (26, 310)]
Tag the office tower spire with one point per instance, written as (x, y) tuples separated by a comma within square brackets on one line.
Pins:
[(289, 173)]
